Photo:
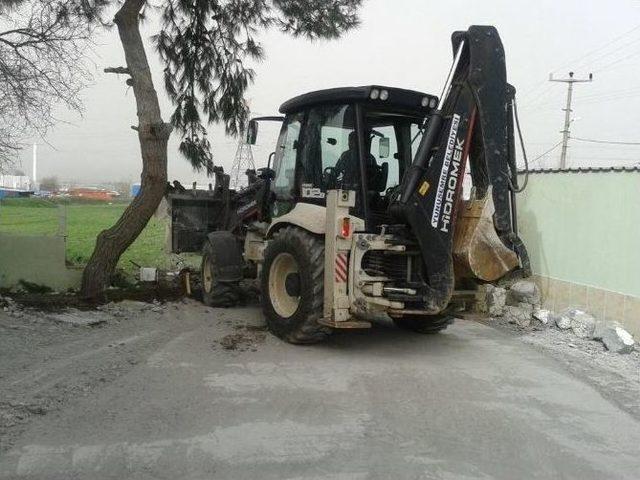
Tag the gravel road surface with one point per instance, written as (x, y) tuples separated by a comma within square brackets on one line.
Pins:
[(183, 391)]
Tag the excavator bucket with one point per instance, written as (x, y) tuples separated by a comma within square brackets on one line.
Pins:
[(478, 252)]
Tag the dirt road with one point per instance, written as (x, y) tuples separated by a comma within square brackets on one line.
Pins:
[(187, 392)]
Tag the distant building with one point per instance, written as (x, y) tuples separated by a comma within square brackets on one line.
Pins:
[(15, 182), (92, 193), (15, 186)]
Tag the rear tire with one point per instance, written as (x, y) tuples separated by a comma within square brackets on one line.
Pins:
[(425, 324), (292, 286), (215, 293)]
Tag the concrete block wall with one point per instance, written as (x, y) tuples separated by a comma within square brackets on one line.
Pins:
[(39, 259), (603, 304), (582, 231)]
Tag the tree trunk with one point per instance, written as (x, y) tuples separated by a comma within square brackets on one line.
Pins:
[(153, 134)]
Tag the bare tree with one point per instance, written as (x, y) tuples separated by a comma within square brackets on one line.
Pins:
[(205, 45), (42, 45), (50, 184)]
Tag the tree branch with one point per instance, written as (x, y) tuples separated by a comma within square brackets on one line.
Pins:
[(122, 70)]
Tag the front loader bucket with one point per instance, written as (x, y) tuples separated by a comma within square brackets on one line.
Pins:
[(478, 252)]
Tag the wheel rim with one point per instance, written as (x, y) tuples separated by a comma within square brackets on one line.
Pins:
[(283, 301), (207, 275)]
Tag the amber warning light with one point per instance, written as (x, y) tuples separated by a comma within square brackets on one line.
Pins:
[(345, 230)]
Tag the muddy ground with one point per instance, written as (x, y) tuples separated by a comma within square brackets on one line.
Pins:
[(48, 357)]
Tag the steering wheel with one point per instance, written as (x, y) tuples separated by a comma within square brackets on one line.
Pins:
[(392, 192), (330, 177)]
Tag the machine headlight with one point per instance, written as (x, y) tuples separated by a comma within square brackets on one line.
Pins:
[(425, 102), (384, 94), (375, 93), (433, 103)]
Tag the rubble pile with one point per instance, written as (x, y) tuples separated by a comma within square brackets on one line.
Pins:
[(617, 339), (496, 299), (520, 304)]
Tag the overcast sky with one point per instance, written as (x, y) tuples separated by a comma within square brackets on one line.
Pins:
[(401, 43)]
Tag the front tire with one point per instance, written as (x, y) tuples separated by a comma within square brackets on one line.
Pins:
[(214, 292), (292, 285), (425, 324)]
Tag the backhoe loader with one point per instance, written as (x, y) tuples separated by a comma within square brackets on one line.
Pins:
[(359, 213)]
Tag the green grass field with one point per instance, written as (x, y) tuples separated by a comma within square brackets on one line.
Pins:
[(83, 223)]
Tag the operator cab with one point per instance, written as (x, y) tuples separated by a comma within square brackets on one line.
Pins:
[(355, 138)]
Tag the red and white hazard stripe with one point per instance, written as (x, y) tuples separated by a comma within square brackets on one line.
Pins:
[(342, 267)]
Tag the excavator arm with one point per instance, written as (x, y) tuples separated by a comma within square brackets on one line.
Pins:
[(474, 121)]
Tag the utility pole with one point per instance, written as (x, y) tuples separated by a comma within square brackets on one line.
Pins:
[(567, 111), (35, 167)]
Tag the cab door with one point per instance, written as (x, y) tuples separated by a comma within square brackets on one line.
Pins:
[(284, 185)]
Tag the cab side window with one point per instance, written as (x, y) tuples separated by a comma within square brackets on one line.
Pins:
[(325, 141), (384, 149), (284, 162)]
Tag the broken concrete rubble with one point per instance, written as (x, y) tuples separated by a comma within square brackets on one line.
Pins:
[(601, 325), (563, 321), (524, 291), (583, 325), (545, 317), (520, 315), (496, 299), (617, 339)]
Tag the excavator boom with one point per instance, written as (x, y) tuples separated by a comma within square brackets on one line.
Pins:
[(474, 121)]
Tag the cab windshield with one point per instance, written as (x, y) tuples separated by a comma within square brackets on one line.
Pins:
[(318, 151)]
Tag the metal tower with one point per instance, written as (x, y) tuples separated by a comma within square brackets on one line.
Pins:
[(242, 162)]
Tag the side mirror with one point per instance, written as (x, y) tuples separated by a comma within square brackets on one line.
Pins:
[(383, 147), (252, 132)]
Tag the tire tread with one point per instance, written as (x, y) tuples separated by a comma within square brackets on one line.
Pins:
[(223, 295), (305, 328)]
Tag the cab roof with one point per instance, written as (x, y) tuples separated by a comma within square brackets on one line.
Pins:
[(398, 99)]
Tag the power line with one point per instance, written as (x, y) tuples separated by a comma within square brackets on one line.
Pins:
[(609, 142), (608, 54), (609, 99), (592, 147), (619, 65), (610, 159), (598, 49), (530, 100), (587, 99), (609, 92), (617, 61), (548, 151), (584, 100), (528, 94)]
